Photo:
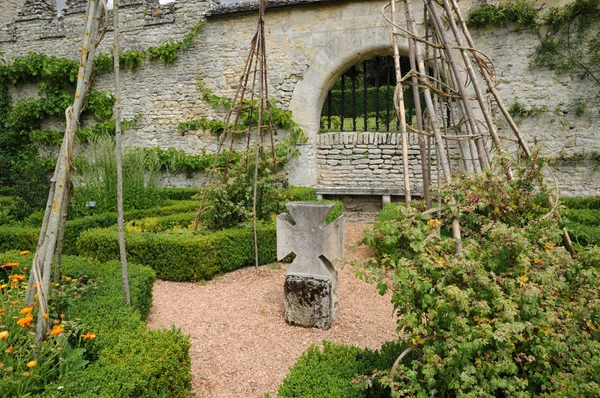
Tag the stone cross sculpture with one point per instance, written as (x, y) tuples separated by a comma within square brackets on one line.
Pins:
[(310, 285)]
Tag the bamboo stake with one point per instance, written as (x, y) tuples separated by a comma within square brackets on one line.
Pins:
[(61, 231), (119, 156), (443, 158), (422, 139), (476, 86), (491, 84), (399, 105), (42, 264), (459, 82)]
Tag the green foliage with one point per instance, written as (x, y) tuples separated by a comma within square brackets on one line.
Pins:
[(518, 109), (583, 216), (128, 360), (97, 169), (14, 237), (285, 149), (335, 371), (301, 194), (176, 161), (182, 256), (581, 202), (571, 43), (179, 193), (514, 315), (520, 12)]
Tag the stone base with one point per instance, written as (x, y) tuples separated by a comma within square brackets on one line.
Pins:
[(309, 301)]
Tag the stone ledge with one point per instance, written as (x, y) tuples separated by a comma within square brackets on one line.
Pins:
[(340, 190), (226, 9)]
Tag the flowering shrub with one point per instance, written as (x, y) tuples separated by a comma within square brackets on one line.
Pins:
[(514, 315), (26, 368)]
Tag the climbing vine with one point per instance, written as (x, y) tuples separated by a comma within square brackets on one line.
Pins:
[(520, 12), (281, 118)]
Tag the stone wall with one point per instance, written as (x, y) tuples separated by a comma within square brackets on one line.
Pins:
[(310, 43), (367, 161)]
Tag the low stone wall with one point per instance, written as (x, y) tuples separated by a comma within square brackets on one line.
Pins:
[(367, 160)]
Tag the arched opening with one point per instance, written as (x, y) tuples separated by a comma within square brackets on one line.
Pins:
[(362, 98)]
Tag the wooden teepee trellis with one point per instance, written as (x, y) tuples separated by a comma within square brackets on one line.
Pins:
[(52, 231), (463, 87), (251, 98)]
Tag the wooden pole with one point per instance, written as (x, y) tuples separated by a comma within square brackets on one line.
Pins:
[(399, 104), (119, 156), (459, 82)]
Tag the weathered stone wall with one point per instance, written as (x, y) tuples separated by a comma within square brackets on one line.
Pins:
[(309, 46), (367, 161)]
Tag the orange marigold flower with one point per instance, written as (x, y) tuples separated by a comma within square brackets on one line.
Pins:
[(10, 349), (24, 252), (56, 330), (62, 315), (45, 315), (35, 296), (88, 336), (26, 321), (25, 310), (31, 364), (17, 277), (4, 334), (25, 268), (11, 265)]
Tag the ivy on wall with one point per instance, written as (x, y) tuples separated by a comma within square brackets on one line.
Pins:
[(249, 116)]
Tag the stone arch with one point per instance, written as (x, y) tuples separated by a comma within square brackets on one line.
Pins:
[(346, 49)]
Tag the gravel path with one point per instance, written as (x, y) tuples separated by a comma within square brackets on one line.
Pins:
[(241, 345)]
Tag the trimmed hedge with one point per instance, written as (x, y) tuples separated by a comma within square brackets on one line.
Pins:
[(178, 193), (583, 216), (184, 257), (14, 237), (581, 202), (25, 237), (583, 235), (328, 373)]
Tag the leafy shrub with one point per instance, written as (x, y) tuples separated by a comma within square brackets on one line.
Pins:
[(179, 193), (513, 315), (335, 371), (16, 237), (583, 235), (184, 257), (520, 11), (97, 168), (301, 194), (583, 216), (581, 202)]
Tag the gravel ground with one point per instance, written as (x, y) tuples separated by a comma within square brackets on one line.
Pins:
[(241, 345)]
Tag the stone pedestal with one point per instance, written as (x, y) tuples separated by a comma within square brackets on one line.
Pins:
[(310, 286)]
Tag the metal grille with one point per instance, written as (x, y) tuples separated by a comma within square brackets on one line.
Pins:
[(362, 99)]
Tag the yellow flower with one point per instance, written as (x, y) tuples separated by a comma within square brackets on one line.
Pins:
[(4, 334), (26, 321), (31, 364), (418, 340), (3, 286), (25, 310), (434, 223), (523, 280), (24, 252), (88, 336), (35, 296), (45, 315), (56, 330)]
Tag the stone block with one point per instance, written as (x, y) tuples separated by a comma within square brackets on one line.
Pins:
[(309, 301)]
